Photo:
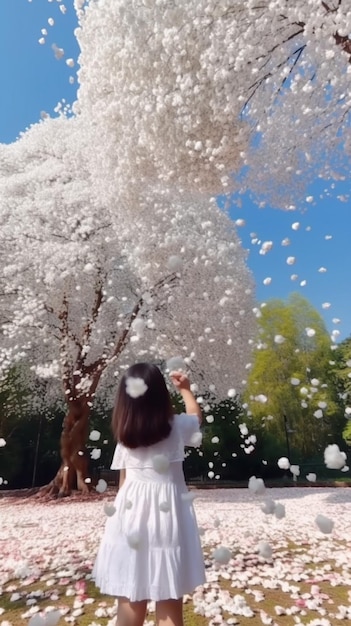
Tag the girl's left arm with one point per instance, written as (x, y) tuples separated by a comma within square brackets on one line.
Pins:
[(122, 477)]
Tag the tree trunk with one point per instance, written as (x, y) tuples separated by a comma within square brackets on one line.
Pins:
[(75, 461)]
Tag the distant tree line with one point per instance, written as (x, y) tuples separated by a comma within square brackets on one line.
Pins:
[(297, 400)]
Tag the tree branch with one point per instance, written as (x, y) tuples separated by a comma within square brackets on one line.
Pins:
[(99, 296), (101, 363)]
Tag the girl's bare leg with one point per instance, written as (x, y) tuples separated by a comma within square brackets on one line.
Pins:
[(131, 613), (169, 612)]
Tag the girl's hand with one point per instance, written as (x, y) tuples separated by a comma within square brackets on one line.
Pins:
[(180, 380)]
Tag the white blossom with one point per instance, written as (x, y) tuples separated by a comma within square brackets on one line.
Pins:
[(127, 251), (189, 103), (135, 386), (334, 458)]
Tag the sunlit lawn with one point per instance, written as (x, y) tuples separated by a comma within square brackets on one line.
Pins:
[(48, 551), (105, 605)]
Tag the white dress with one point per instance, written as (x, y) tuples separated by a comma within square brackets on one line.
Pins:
[(151, 548)]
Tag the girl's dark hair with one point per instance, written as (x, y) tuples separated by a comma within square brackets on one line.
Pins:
[(146, 419)]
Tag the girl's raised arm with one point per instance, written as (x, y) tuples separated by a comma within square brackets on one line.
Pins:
[(182, 384)]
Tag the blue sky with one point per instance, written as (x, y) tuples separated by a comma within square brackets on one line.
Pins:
[(33, 81)]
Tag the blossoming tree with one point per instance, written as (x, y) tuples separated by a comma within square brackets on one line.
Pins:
[(199, 88), (86, 288), (111, 248)]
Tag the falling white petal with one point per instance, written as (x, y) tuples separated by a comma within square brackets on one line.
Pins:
[(134, 540), (176, 364), (261, 398), (265, 550), (95, 454), (160, 463), (222, 555), (279, 510), (268, 506), (109, 509), (311, 477), (284, 463), (325, 524), (101, 486), (295, 470), (333, 457), (196, 439), (295, 381), (256, 485), (174, 264), (94, 435), (188, 496)]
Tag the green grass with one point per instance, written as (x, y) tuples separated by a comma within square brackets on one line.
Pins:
[(338, 595)]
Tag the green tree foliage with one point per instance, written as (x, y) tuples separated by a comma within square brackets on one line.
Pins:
[(292, 376), (30, 423), (342, 372), (13, 405), (346, 433), (342, 369), (230, 449)]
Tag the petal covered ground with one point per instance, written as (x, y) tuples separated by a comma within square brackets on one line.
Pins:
[(268, 569)]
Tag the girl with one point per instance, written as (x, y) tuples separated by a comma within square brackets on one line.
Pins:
[(151, 548)]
